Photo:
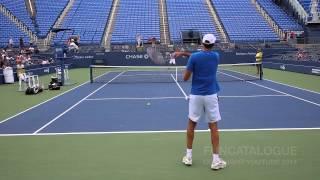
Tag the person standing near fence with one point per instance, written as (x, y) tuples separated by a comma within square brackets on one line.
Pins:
[(259, 57)]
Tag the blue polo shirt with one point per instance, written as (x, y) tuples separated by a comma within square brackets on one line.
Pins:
[(204, 66)]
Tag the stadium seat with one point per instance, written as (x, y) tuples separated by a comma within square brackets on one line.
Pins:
[(140, 17), (86, 19), (188, 14), (284, 21), (8, 29), (18, 9), (48, 12), (243, 22)]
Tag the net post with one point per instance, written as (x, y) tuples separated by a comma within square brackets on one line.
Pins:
[(91, 75)]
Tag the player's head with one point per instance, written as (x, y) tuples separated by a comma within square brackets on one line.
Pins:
[(208, 41)]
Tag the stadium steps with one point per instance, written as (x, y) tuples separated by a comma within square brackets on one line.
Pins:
[(24, 28), (217, 23), (164, 28), (298, 8), (106, 42), (314, 12), (44, 44), (266, 16)]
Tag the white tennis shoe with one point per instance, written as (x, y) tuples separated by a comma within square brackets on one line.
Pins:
[(218, 164), (187, 161)]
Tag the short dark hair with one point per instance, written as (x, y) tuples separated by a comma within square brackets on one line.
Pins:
[(208, 46)]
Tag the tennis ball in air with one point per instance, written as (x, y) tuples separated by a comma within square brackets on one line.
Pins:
[(148, 103)]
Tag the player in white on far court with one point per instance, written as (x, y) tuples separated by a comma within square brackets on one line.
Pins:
[(203, 100), (172, 58)]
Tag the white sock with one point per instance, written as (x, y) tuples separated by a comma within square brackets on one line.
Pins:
[(215, 157), (189, 153)]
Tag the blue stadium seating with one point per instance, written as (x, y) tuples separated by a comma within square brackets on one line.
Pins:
[(305, 4), (136, 17), (86, 19), (285, 22), (18, 9), (48, 12), (7, 30), (188, 14), (243, 22)]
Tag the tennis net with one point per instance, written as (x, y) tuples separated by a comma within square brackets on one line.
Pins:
[(156, 74)]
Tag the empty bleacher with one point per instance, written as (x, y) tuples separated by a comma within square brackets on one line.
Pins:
[(283, 20), (305, 4), (47, 13), (136, 17), (86, 19), (18, 9), (242, 21), (7, 30), (188, 15)]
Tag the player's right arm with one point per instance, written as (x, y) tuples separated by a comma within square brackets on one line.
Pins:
[(181, 53)]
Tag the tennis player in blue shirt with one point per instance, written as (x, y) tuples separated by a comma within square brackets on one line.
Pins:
[(203, 99)]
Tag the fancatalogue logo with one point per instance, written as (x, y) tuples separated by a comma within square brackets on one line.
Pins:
[(137, 56)]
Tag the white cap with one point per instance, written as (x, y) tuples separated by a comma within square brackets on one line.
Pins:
[(209, 39)]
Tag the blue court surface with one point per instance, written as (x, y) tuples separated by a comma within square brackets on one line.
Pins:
[(151, 107)]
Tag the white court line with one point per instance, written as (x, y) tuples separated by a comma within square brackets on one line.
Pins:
[(293, 86), (281, 92), (134, 75), (267, 62), (155, 132), (11, 117), (256, 96), (296, 97), (284, 84), (57, 117), (43, 102), (163, 98), (129, 98), (184, 93)]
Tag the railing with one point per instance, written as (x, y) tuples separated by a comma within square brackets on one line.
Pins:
[(281, 34), (110, 24), (314, 16), (303, 15), (58, 23), (219, 26), (164, 22)]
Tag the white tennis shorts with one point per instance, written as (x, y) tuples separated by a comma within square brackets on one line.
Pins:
[(207, 105), (172, 61)]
